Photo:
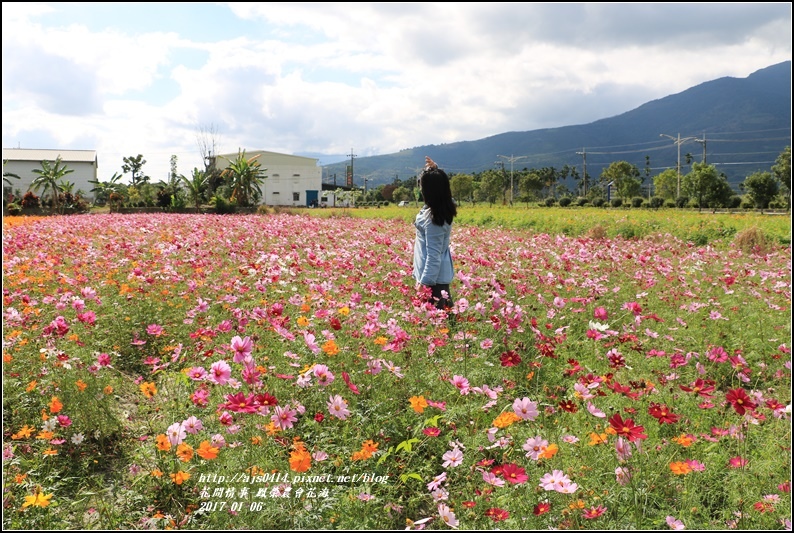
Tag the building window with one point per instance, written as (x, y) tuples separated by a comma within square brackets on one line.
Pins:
[(296, 196), (275, 175)]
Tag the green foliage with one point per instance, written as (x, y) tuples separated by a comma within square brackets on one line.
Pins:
[(761, 187)]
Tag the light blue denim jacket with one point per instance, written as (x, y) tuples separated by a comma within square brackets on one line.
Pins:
[(432, 260)]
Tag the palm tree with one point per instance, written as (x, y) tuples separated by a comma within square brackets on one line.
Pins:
[(245, 177), (49, 179), (103, 189), (195, 185), (7, 175)]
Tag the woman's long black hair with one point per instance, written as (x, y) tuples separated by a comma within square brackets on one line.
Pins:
[(438, 196)]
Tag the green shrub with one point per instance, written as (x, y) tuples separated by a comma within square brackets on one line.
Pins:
[(657, 202), (565, 201), (616, 202)]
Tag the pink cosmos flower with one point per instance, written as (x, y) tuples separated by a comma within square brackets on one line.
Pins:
[(176, 433), (220, 372), (197, 373), (622, 475), (595, 411), (337, 407), (737, 462), (674, 523), (461, 383), (452, 458), (323, 375), (600, 313), (242, 348), (284, 417), (493, 479), (437, 481), (550, 481), (525, 408), (535, 446), (447, 515), (192, 425), (155, 329)]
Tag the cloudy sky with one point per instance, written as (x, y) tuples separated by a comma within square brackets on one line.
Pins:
[(146, 78)]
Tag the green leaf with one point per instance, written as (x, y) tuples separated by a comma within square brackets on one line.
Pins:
[(405, 477), (407, 445)]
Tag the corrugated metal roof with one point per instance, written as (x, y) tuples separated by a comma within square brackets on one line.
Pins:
[(31, 154)]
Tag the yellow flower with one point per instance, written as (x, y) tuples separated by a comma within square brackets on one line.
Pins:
[(37, 500), (380, 341), (344, 311), (418, 403), (302, 321)]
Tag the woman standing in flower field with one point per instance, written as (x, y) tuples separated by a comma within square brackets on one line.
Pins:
[(432, 259)]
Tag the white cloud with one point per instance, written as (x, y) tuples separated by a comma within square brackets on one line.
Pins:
[(377, 77)]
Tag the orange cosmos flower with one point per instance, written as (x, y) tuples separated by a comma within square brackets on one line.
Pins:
[(680, 468), (37, 500), (7, 358), (271, 429), (185, 452), (148, 389), (163, 444), (256, 440), (684, 440), (55, 405), (549, 451), (180, 477), (596, 438), (380, 341), (47, 435), (302, 321), (506, 419), (300, 460), (81, 385), (361, 455), (330, 347), (23, 433), (305, 308), (418, 403), (19, 478), (157, 473), (370, 446), (207, 451), (31, 386), (50, 451), (108, 390)]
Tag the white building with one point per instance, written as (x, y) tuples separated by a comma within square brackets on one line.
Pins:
[(22, 162), (291, 179)]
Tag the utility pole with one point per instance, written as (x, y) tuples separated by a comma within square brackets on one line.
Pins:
[(583, 153), (512, 160), (678, 143), (351, 181), (703, 142)]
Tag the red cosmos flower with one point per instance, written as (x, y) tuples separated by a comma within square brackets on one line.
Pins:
[(740, 401), (627, 428), (541, 508), (594, 512), (468, 504), (568, 405), (496, 514), (265, 400), (319, 417), (510, 358), (700, 386), (662, 413), (431, 431), (240, 403), (350, 384), (336, 325), (485, 462), (514, 474)]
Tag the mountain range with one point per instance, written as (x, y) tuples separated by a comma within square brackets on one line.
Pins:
[(740, 125)]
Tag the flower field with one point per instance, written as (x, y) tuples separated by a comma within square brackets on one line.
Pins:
[(283, 372)]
